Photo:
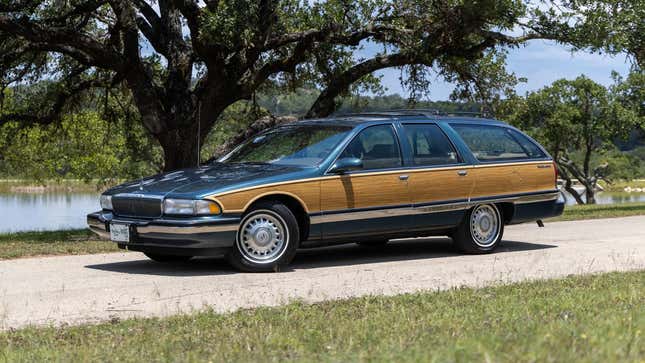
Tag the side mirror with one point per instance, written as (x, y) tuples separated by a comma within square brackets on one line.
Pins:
[(346, 164)]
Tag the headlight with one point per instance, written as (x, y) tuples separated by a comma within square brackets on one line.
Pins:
[(106, 202), (190, 207)]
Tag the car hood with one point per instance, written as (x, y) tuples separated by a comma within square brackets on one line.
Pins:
[(212, 179)]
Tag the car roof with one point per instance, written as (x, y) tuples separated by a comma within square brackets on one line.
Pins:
[(412, 116)]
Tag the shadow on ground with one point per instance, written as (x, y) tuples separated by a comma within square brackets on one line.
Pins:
[(341, 255)]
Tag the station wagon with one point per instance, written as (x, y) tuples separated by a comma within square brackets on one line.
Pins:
[(364, 178)]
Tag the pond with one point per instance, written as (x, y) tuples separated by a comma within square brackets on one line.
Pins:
[(45, 211), (28, 211)]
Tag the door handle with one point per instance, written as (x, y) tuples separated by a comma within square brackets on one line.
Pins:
[(462, 172), (403, 177)]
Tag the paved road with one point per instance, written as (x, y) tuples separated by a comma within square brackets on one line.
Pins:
[(77, 289)]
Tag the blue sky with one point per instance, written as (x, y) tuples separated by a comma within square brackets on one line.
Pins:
[(541, 62)]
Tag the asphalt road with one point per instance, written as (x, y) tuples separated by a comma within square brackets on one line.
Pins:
[(92, 288)]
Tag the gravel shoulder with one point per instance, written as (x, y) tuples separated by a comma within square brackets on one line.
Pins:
[(93, 288)]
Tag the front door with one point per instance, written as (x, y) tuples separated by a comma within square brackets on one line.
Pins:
[(440, 182), (373, 201)]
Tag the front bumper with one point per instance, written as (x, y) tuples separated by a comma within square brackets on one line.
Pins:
[(196, 236)]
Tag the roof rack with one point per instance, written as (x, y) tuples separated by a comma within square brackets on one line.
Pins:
[(412, 112)]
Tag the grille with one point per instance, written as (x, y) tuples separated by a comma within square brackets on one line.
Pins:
[(136, 206)]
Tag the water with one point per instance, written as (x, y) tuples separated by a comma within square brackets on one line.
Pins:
[(45, 211), (64, 210), (611, 198)]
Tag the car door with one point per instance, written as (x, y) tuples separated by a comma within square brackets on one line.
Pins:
[(371, 201), (440, 181)]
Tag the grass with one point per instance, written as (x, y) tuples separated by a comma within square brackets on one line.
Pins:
[(599, 318), (66, 242), (594, 211), (40, 186)]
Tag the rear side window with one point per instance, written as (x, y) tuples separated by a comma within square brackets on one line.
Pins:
[(494, 143), (376, 146), (429, 144), (529, 146)]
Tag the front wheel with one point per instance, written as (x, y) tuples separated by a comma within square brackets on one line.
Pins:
[(480, 231), (268, 238)]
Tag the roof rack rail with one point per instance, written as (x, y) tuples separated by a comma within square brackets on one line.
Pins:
[(412, 112)]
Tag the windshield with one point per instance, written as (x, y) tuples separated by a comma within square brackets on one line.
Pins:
[(302, 145)]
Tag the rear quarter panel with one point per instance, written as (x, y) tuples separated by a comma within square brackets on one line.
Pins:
[(513, 178)]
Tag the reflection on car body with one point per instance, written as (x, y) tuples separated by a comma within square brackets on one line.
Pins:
[(364, 178)]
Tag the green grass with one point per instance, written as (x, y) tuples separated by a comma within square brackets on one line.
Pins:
[(66, 242), (597, 318), (594, 211)]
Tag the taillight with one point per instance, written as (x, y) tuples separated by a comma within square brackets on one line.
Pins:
[(555, 174)]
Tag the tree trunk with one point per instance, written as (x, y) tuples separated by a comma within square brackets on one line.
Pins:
[(590, 194), (180, 148)]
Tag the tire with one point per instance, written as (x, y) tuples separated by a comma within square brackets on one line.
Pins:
[(480, 231), (373, 243), (267, 238), (167, 258)]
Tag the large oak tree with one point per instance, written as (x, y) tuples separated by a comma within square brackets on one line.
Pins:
[(183, 62)]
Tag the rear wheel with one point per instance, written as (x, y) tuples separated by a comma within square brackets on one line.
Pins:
[(267, 238), (167, 258), (481, 230)]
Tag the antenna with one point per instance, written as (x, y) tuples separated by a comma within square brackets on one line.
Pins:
[(199, 127)]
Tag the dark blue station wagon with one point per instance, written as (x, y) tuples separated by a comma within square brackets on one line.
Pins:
[(358, 178)]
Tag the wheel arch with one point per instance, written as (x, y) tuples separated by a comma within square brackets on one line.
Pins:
[(507, 209), (295, 204)]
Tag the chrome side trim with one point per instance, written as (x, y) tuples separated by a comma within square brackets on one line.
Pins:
[(538, 198), (427, 209), (156, 229)]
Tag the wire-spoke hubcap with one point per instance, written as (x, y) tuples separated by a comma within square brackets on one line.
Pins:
[(262, 238), (485, 225)]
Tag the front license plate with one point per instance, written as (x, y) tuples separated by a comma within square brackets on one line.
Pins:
[(120, 232)]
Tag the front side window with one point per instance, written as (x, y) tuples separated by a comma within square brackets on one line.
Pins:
[(376, 146), (301, 145), (492, 143), (429, 144)]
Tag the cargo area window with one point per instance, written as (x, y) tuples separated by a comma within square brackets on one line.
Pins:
[(376, 146), (430, 146), (494, 143)]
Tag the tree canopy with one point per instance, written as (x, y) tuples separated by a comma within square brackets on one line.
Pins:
[(575, 120), (182, 63)]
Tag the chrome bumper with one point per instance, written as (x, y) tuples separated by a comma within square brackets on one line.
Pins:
[(177, 233)]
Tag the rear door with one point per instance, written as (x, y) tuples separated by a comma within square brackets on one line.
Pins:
[(439, 180)]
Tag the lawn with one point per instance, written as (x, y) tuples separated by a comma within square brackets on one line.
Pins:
[(599, 318), (593, 211), (66, 242)]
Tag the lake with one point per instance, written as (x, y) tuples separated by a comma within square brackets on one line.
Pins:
[(21, 211)]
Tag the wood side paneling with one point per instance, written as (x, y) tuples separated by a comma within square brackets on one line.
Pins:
[(307, 192), (431, 185), (503, 179), (385, 188), (363, 191)]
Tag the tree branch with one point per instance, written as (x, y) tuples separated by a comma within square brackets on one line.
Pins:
[(325, 103), (69, 41)]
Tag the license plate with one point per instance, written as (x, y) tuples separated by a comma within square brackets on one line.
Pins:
[(120, 232)]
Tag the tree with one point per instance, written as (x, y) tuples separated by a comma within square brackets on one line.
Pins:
[(576, 119), (183, 62)]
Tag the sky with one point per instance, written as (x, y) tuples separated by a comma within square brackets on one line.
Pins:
[(540, 61)]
